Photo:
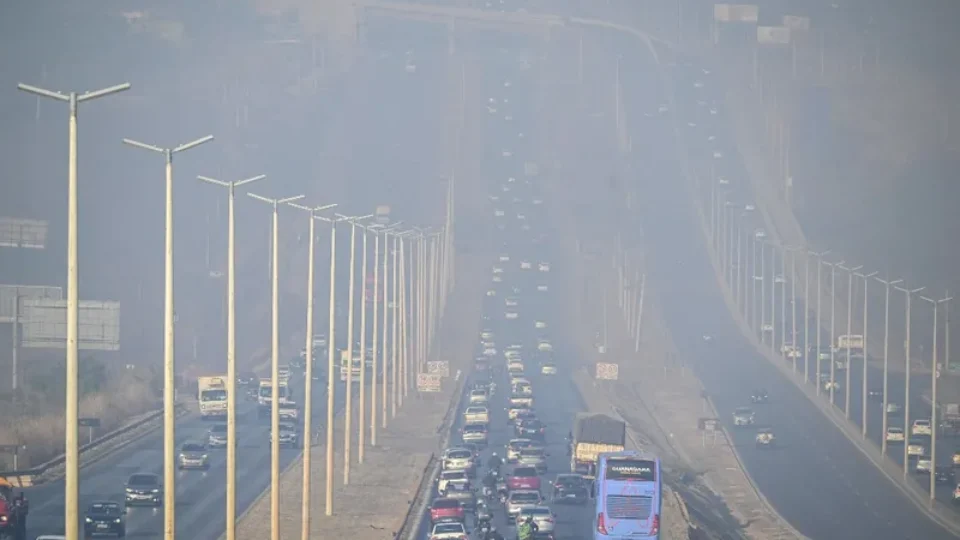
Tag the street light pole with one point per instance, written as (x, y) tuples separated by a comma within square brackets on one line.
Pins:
[(231, 515), (848, 363), (71, 511), (934, 375), (376, 329), (906, 382), (275, 366), (361, 418), (833, 327), (308, 383), (863, 394), (393, 338), (886, 358), (169, 369)]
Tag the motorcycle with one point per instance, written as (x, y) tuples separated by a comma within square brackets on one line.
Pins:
[(488, 493)]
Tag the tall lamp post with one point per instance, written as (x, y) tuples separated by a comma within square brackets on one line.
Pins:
[(71, 511), (231, 516), (308, 382), (886, 358), (934, 375), (907, 369), (818, 256), (275, 366), (377, 229), (863, 395), (169, 369), (846, 392)]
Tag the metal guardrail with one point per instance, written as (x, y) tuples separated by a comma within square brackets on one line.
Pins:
[(26, 477)]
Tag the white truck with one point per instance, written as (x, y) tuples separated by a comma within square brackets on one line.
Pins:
[(357, 365), (854, 342), (265, 396), (212, 396)]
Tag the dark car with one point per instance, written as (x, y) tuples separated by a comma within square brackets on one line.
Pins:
[(248, 379), (144, 489), (759, 396), (945, 474), (570, 488), (530, 428), (105, 518)]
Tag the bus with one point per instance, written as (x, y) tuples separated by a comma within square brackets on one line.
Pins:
[(628, 495), (358, 366)]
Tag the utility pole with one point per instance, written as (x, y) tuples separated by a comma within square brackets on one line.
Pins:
[(275, 367), (308, 383), (231, 515), (863, 394), (169, 368), (886, 358), (848, 362), (934, 375), (71, 511), (906, 383)]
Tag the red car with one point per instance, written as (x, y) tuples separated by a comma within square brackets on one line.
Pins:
[(444, 509), (524, 478)]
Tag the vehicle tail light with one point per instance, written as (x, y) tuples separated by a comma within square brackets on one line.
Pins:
[(601, 524), (655, 528), (463, 537)]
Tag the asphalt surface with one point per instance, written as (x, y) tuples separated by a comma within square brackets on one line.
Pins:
[(815, 477), (556, 398)]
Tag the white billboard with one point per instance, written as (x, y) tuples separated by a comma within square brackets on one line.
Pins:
[(794, 22), (439, 367), (743, 13), (10, 293), (608, 372), (45, 324), (428, 383), (773, 35), (382, 214), (23, 233)]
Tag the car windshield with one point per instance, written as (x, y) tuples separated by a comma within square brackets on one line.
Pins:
[(192, 448), (742, 411), (525, 472), (448, 528), (287, 426), (525, 497), (476, 410), (460, 454), (531, 452), (219, 428), (569, 481), (517, 445), (446, 503), (454, 475), (479, 392), (142, 480), (536, 512), (104, 508), (475, 428)]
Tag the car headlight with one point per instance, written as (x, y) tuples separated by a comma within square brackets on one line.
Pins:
[(88, 520), (205, 457), (183, 456), (116, 520), (128, 490), (155, 491)]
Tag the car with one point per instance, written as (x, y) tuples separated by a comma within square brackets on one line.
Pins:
[(526, 265), (760, 396), (519, 499), (444, 510), (514, 447), (478, 397), (921, 427), (474, 433), (765, 438), (533, 456), (570, 488), (143, 489), (476, 415), (540, 325), (504, 257), (894, 408), (449, 531), (543, 287), (544, 345), (548, 368), (521, 400), (542, 516), (875, 394), (104, 518), (895, 434), (923, 465), (945, 475), (451, 477), (743, 416), (524, 476), (916, 447), (217, 436), (193, 456), (530, 428), (487, 335), (289, 435), (464, 493), (511, 315), (522, 414), (522, 387), (544, 267), (459, 459), (511, 301)]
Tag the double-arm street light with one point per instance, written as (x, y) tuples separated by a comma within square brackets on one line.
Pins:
[(907, 369), (169, 369), (886, 358), (934, 375), (379, 365), (308, 378), (849, 338), (275, 366), (866, 358), (71, 510), (231, 516)]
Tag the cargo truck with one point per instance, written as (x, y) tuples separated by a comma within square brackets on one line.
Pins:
[(592, 435), (212, 396), (265, 397)]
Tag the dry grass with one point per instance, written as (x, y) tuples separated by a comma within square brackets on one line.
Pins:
[(43, 432)]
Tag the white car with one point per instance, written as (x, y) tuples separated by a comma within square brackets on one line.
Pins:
[(504, 258), (449, 531), (457, 459), (486, 334), (520, 500), (895, 434), (490, 351), (497, 278), (921, 427), (451, 477), (478, 397), (542, 288), (540, 325), (512, 315), (497, 269), (515, 446), (476, 415), (544, 345), (525, 265), (544, 267), (916, 448), (491, 292), (499, 213), (511, 301), (923, 465), (506, 153), (548, 368), (894, 408)]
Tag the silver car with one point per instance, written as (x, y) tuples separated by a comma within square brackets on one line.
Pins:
[(743, 416), (542, 516), (533, 457), (474, 433), (519, 500), (217, 436), (289, 435), (193, 456)]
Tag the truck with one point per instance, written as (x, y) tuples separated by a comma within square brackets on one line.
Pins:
[(13, 512), (358, 365), (265, 396), (854, 342), (592, 435), (212, 396)]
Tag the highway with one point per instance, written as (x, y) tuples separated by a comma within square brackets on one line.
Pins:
[(815, 477), (556, 398)]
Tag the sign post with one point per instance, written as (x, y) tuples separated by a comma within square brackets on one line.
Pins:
[(45, 324), (90, 424), (428, 382)]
